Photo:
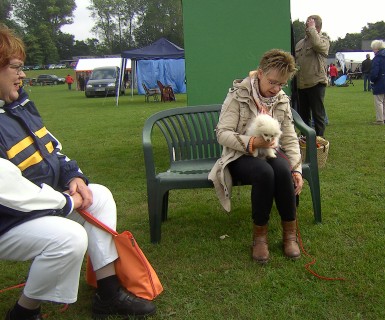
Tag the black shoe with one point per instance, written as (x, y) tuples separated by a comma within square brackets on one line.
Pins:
[(124, 304), (35, 317)]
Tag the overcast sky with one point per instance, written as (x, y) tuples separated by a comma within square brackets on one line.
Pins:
[(339, 16)]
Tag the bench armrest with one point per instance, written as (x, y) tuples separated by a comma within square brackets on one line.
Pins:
[(309, 133)]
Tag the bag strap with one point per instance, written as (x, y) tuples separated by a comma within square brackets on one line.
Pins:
[(91, 219)]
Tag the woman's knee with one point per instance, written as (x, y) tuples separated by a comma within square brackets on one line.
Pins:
[(262, 172), (72, 240)]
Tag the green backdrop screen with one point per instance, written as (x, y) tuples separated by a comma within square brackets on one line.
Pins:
[(225, 39)]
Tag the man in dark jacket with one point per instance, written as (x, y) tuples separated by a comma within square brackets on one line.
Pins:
[(366, 65)]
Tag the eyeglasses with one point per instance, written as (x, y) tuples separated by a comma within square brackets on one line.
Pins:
[(277, 84), (17, 67)]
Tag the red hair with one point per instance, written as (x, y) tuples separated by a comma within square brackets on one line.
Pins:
[(11, 46)]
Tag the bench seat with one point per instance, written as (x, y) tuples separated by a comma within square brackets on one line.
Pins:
[(192, 148)]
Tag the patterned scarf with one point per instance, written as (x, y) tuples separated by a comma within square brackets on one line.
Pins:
[(264, 105)]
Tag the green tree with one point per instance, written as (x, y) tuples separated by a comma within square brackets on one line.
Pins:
[(374, 31), (160, 19), (44, 19), (351, 42), (35, 54), (52, 13), (115, 21), (5, 15), (89, 47), (299, 32)]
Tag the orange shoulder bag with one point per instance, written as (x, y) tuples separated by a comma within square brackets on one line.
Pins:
[(132, 267)]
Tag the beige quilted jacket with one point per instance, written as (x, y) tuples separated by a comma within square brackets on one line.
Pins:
[(237, 110)]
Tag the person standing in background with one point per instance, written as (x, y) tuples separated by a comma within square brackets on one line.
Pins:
[(377, 79), (311, 54), (81, 82), (366, 65), (69, 81), (333, 73)]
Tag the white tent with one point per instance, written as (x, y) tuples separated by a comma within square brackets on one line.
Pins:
[(352, 60), (90, 64)]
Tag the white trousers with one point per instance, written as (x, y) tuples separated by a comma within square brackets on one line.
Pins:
[(57, 246), (379, 103)]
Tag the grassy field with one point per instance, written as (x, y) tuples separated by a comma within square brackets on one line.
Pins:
[(205, 277)]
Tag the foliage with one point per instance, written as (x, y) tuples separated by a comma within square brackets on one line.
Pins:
[(124, 24), (120, 25), (208, 278), (299, 32), (44, 24), (351, 42), (161, 19), (374, 31)]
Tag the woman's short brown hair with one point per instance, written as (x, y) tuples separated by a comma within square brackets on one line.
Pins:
[(11, 46), (279, 60)]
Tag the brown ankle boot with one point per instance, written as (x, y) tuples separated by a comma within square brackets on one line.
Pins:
[(290, 245), (260, 246)]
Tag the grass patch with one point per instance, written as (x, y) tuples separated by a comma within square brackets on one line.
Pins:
[(208, 278)]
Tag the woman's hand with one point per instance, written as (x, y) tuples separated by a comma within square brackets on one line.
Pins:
[(77, 185), (298, 182), (259, 142)]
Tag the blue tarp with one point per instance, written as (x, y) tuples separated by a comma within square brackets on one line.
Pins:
[(341, 80), (161, 60), (170, 72)]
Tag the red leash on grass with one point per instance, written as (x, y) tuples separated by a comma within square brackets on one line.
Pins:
[(46, 315), (307, 265)]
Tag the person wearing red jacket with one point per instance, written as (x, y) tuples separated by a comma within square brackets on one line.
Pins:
[(333, 71), (69, 80)]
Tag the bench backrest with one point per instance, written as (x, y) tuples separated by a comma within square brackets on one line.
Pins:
[(189, 133), (145, 88)]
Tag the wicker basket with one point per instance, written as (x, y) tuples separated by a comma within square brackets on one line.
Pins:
[(322, 150)]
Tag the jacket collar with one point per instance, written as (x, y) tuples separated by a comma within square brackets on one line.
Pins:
[(244, 93)]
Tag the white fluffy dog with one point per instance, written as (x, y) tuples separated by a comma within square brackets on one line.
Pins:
[(269, 129)]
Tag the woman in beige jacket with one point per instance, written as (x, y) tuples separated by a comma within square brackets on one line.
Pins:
[(277, 178)]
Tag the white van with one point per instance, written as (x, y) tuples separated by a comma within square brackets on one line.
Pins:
[(104, 82)]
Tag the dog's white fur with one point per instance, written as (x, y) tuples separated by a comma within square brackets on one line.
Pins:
[(269, 129)]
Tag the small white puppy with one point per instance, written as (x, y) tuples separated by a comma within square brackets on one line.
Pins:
[(269, 129)]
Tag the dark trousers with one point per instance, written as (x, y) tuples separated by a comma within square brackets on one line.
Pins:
[(270, 179), (366, 81), (311, 103)]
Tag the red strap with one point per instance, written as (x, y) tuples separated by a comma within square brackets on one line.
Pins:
[(91, 219), (13, 287), (307, 265)]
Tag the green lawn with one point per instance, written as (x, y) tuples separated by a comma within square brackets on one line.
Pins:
[(205, 277)]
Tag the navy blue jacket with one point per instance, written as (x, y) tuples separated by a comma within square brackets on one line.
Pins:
[(377, 73), (25, 141)]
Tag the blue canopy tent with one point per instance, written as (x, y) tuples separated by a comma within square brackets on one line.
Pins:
[(161, 60)]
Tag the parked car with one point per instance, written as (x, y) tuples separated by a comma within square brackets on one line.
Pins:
[(44, 79), (104, 82), (61, 66)]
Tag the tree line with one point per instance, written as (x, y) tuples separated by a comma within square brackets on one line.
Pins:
[(120, 25)]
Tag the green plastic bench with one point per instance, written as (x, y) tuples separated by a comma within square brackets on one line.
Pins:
[(187, 135)]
